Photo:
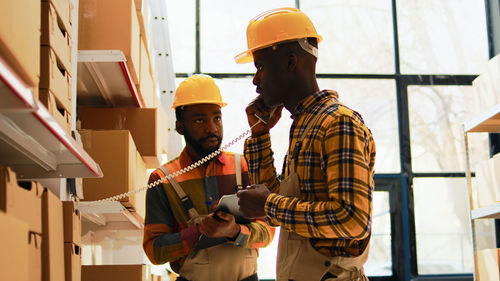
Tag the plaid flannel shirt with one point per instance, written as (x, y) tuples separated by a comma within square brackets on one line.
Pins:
[(167, 235), (335, 170)]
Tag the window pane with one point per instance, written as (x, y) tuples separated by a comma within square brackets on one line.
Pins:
[(442, 226), (238, 93), (357, 35), (223, 25), (380, 259), (446, 36), (436, 117), (181, 24), (375, 100)]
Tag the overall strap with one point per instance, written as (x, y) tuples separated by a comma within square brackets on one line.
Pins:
[(186, 202), (237, 169), (298, 144)]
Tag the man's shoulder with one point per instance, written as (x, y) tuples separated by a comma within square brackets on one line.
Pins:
[(340, 113)]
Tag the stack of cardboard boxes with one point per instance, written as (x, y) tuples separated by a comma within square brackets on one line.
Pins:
[(125, 142), (35, 43), (486, 190), (55, 60), (42, 228), (36, 39), (72, 241), (115, 25), (20, 39)]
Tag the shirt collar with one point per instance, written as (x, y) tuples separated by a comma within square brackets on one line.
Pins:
[(186, 160), (308, 102)]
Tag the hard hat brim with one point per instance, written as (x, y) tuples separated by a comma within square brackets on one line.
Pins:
[(221, 104), (244, 57), (247, 56)]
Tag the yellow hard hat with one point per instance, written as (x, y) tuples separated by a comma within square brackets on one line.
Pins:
[(274, 26), (196, 89)]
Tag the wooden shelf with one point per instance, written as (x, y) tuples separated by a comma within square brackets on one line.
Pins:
[(490, 212), (488, 122)]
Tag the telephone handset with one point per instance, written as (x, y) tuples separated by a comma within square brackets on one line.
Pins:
[(265, 119), (200, 162)]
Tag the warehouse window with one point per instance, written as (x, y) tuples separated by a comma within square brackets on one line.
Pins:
[(443, 241), (436, 117), (405, 65)]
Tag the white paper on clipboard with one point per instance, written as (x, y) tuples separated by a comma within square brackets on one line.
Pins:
[(229, 204)]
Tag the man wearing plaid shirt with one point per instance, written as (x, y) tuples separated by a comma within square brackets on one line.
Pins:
[(323, 199)]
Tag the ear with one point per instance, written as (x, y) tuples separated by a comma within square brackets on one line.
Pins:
[(292, 61), (179, 127)]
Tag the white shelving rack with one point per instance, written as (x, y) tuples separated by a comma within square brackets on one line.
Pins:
[(32, 143), (104, 80), (110, 215), (487, 122)]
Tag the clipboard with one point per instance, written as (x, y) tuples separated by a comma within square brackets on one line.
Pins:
[(229, 204)]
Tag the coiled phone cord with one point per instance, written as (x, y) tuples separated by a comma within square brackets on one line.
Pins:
[(179, 172)]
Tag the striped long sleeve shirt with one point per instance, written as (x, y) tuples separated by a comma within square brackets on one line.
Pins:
[(335, 170), (167, 235)]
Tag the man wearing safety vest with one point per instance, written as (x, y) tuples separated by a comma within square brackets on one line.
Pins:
[(323, 200), (180, 225)]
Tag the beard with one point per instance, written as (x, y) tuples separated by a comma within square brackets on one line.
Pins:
[(197, 144)]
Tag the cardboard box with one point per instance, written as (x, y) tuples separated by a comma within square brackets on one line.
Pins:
[(72, 223), (53, 238), (72, 262), (22, 203), (495, 162), (138, 5), (56, 109), (133, 272), (35, 256), (14, 261), (20, 38), (488, 264), (98, 30), (143, 124), (54, 77), (146, 84), (55, 35), (486, 86), (63, 9), (487, 186), (115, 152), (142, 178)]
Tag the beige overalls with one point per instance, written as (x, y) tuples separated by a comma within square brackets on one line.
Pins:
[(224, 262), (297, 259)]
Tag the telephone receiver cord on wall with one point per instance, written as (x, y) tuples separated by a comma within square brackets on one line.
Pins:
[(181, 171)]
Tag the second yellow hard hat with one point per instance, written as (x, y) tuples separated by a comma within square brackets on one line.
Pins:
[(196, 89)]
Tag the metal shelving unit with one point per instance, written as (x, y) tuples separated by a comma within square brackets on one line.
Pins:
[(487, 122), (111, 215), (104, 80), (32, 143)]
